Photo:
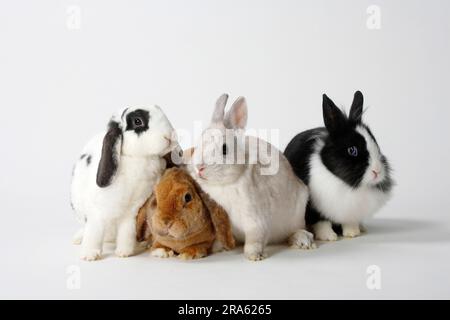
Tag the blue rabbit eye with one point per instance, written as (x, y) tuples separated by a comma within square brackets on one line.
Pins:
[(353, 151)]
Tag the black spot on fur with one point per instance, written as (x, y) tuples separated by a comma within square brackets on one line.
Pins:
[(109, 160), (83, 156), (300, 149), (312, 216), (335, 157), (137, 121)]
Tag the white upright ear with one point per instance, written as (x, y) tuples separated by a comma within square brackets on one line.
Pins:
[(236, 118), (220, 109)]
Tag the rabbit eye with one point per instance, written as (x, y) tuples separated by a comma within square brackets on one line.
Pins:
[(353, 151), (224, 149), (138, 122), (180, 153), (187, 197)]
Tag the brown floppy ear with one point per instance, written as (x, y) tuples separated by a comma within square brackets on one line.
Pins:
[(143, 230), (220, 220)]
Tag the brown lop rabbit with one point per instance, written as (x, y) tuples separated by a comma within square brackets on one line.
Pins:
[(181, 219)]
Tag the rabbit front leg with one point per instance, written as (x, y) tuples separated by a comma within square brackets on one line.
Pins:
[(256, 236), (323, 230), (92, 244), (126, 236), (351, 230), (195, 251), (160, 251)]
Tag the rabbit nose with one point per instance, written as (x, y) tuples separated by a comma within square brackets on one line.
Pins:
[(201, 171), (375, 173), (167, 221)]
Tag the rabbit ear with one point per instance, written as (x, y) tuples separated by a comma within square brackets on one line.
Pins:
[(109, 161), (236, 118), (332, 116), (143, 230), (219, 218), (220, 108), (356, 109)]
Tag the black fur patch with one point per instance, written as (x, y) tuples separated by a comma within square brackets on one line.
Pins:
[(299, 151), (312, 216), (138, 115), (109, 160), (335, 157)]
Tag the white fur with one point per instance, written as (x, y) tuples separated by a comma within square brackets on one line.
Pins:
[(340, 202), (162, 253), (262, 208), (375, 163), (323, 230), (351, 230), (302, 239), (111, 211)]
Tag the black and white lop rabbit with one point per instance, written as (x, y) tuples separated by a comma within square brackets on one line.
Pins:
[(348, 176), (116, 174)]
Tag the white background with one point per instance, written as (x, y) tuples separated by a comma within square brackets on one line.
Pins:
[(59, 86)]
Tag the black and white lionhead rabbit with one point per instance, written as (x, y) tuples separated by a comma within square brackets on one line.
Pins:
[(348, 176)]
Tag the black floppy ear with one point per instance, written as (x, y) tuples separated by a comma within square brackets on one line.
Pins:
[(109, 161), (356, 109), (333, 117)]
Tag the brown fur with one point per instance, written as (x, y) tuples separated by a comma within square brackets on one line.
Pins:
[(188, 229)]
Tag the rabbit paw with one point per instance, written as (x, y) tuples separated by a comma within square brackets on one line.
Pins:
[(256, 256), (162, 253), (217, 247), (191, 255), (302, 239), (323, 230), (254, 252), (78, 237), (350, 231), (91, 254), (124, 253), (193, 252)]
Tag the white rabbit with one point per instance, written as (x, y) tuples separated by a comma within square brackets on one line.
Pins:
[(115, 175), (264, 207)]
